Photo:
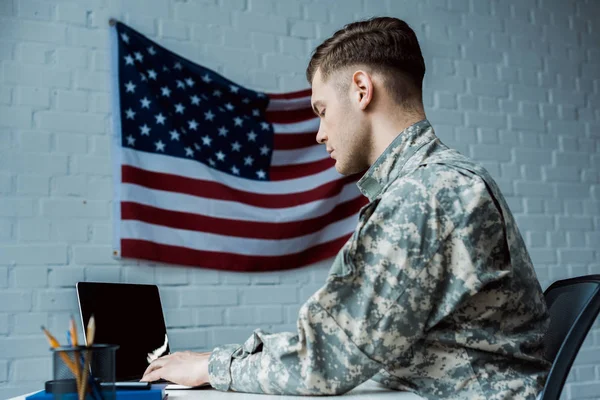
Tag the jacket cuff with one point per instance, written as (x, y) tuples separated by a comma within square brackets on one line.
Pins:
[(219, 366)]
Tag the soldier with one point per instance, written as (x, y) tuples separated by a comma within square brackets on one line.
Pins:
[(435, 292)]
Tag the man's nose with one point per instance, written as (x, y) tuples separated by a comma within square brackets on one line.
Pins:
[(320, 136)]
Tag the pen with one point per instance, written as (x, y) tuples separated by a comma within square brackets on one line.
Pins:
[(73, 334), (76, 358), (91, 330), (93, 385)]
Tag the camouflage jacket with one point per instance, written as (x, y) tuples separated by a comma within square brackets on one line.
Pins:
[(434, 293)]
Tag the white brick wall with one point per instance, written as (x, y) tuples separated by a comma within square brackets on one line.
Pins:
[(513, 83)]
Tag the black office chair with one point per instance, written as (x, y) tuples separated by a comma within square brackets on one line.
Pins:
[(573, 305)]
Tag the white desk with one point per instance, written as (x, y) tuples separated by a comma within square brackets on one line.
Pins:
[(368, 390)]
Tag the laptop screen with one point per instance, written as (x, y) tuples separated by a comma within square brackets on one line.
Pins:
[(130, 316)]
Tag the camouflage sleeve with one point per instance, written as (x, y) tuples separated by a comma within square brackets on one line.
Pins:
[(368, 314)]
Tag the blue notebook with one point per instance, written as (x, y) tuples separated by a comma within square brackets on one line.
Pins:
[(156, 392)]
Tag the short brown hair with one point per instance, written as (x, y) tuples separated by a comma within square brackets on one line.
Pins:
[(385, 44)]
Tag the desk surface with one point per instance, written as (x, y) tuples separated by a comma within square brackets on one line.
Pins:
[(368, 390)]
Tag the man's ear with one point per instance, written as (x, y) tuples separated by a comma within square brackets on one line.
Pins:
[(362, 85)]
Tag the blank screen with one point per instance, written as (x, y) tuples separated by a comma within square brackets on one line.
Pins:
[(127, 315)]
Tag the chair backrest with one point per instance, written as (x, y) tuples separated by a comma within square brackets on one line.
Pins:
[(573, 305)]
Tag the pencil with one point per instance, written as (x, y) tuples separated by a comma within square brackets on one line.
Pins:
[(54, 344), (89, 338), (91, 331), (73, 332)]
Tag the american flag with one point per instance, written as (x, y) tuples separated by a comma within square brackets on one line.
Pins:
[(211, 174)]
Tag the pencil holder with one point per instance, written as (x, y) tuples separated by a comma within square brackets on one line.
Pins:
[(82, 372)]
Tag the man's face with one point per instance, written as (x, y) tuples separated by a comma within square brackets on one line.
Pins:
[(343, 126)]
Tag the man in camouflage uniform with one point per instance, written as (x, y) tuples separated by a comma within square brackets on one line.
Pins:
[(434, 293)]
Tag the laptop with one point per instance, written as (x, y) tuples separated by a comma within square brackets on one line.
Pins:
[(131, 316)]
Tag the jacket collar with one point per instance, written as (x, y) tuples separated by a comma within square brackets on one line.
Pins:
[(390, 163)]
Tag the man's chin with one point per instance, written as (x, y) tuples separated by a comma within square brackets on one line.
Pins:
[(346, 171), (340, 169)]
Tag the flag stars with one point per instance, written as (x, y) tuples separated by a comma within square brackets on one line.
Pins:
[(130, 113), (165, 91), (195, 100), (174, 135), (130, 87), (145, 130), (125, 37), (223, 133)]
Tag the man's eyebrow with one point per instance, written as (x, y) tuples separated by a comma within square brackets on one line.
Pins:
[(314, 107)]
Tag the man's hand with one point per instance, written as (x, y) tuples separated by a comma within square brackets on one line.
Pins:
[(183, 368)]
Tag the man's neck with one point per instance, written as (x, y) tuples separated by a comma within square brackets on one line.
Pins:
[(387, 129)]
